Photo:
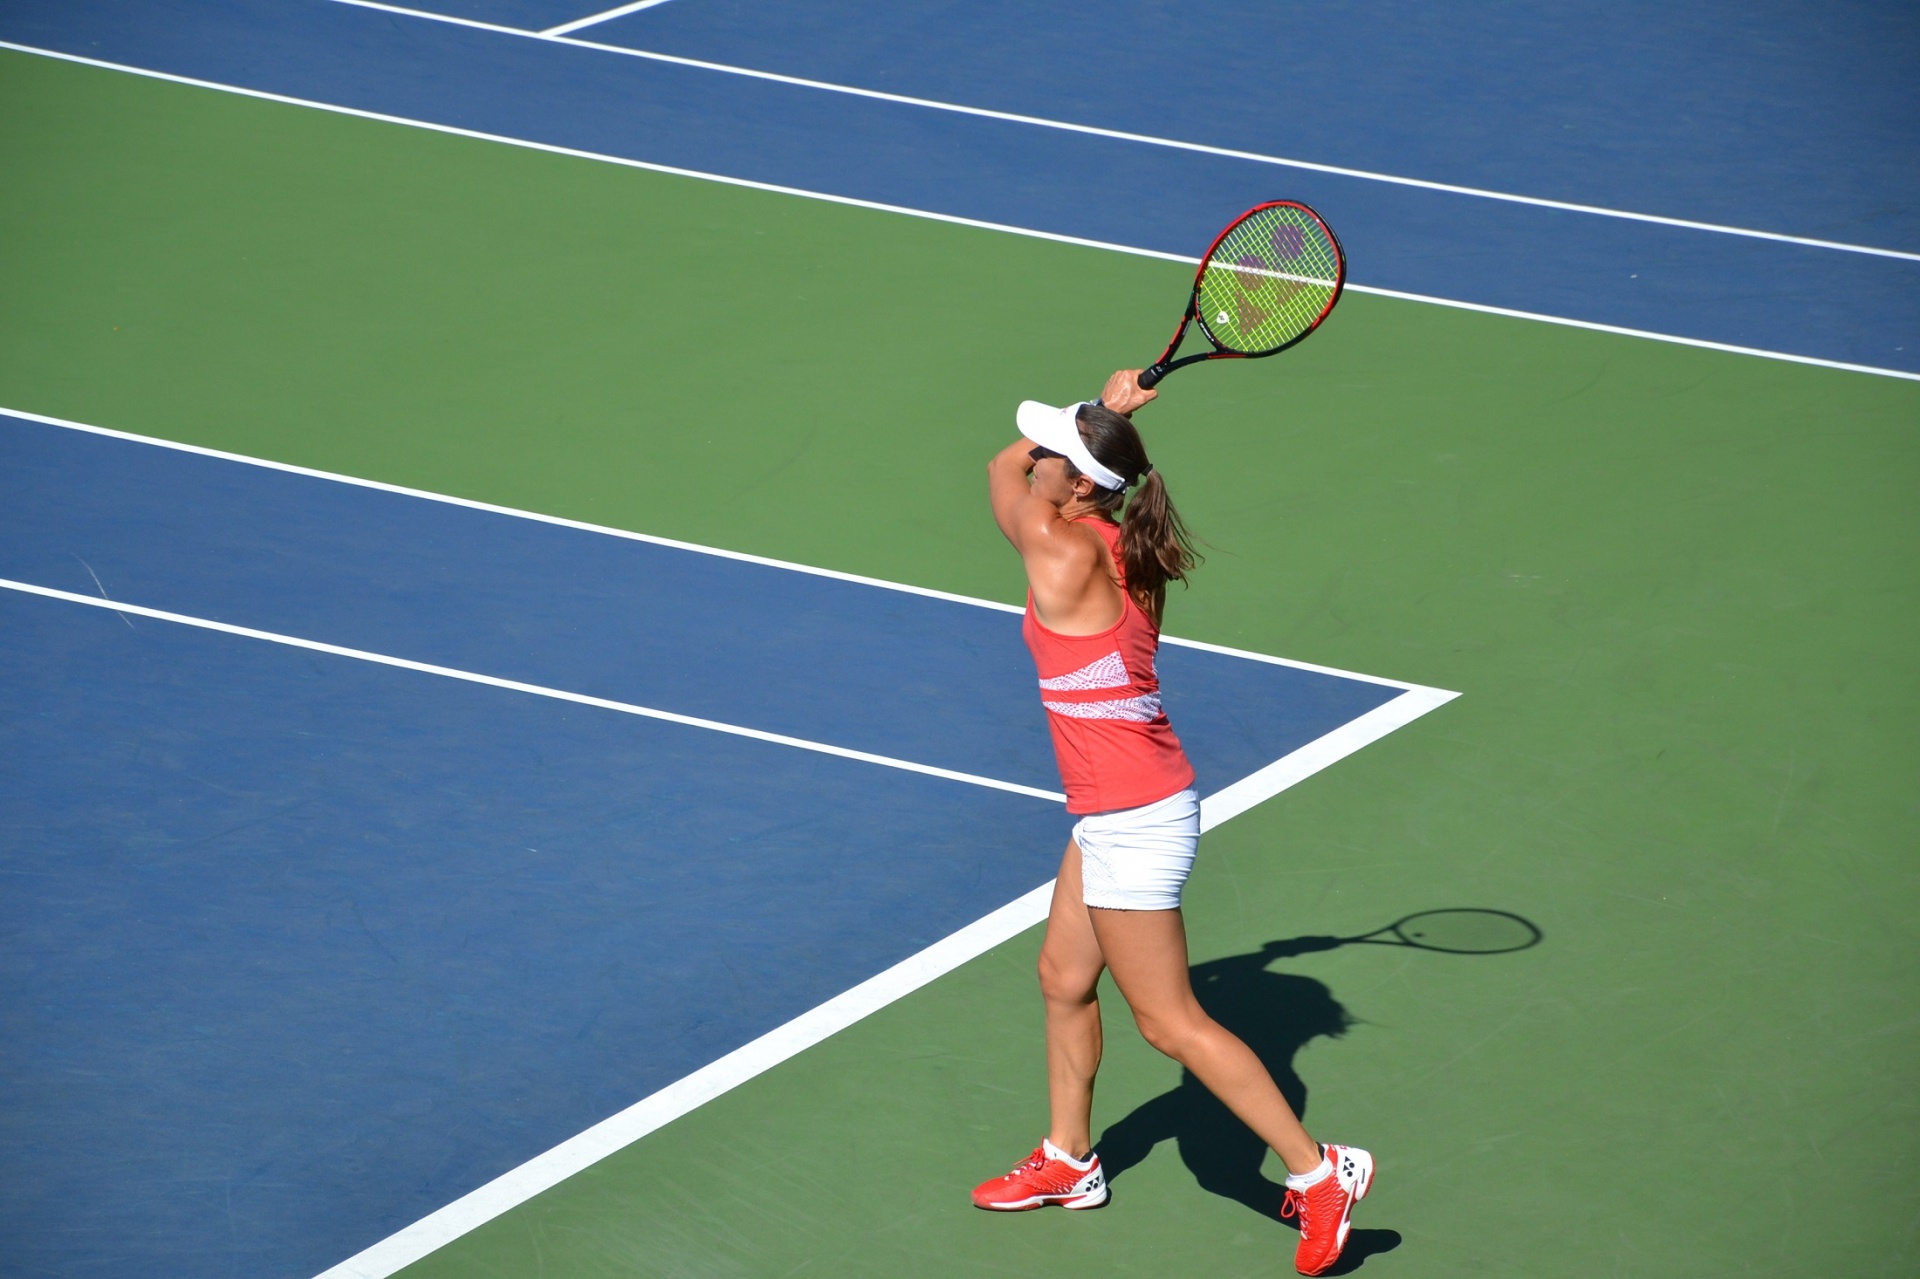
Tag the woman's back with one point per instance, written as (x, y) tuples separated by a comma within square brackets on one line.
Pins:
[(1101, 691)]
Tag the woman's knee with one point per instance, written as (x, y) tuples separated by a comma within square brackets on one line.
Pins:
[(1173, 1034), (1066, 981)]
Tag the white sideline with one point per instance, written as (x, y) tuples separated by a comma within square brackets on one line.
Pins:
[(609, 1136), (518, 686), (558, 35), (544, 1171), (929, 215)]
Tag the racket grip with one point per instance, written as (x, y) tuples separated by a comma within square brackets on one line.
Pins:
[(1150, 376)]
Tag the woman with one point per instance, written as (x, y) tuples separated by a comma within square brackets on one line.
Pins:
[(1096, 590)]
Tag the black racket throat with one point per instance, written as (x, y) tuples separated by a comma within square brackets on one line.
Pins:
[(1166, 364)]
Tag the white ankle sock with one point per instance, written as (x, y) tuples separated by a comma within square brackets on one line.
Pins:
[(1054, 1152), (1307, 1180)]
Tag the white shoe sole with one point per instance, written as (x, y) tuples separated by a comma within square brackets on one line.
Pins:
[(1091, 1199)]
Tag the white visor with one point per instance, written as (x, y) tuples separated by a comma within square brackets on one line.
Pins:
[(1058, 430)]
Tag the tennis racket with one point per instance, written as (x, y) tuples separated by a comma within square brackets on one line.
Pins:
[(1267, 281)]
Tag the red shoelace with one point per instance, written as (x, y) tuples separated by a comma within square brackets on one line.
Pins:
[(1297, 1205)]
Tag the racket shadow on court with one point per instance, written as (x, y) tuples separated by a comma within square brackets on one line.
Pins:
[(1278, 1014)]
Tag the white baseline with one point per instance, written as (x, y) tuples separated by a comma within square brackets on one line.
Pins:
[(928, 214)]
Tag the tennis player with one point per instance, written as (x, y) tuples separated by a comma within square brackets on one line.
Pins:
[(1096, 588)]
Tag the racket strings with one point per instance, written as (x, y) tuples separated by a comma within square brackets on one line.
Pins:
[(1268, 281)]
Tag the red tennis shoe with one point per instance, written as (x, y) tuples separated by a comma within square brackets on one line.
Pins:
[(1045, 1177), (1324, 1207)]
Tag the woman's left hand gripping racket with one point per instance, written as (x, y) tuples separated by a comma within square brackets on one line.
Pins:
[(1268, 280)]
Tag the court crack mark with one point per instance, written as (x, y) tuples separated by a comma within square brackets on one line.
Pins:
[(98, 585), (353, 904), (1786, 789), (264, 818)]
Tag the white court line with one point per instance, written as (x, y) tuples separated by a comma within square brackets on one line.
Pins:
[(594, 19), (538, 690), (555, 35), (613, 1134), (927, 214), (1295, 767), (1622, 331), (649, 538)]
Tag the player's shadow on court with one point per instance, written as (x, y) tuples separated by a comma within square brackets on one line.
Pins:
[(1278, 1014)]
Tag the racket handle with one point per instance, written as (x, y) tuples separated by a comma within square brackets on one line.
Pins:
[(1149, 377)]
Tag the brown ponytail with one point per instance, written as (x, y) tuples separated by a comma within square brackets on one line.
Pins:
[(1155, 547)]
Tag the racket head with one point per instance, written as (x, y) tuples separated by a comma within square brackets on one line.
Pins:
[(1268, 280), (1464, 931)]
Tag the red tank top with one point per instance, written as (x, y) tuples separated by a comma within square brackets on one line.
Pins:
[(1114, 744)]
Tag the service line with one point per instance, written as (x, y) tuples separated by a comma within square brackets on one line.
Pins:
[(651, 539), (538, 690)]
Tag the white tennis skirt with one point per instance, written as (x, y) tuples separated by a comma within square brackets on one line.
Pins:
[(1139, 858)]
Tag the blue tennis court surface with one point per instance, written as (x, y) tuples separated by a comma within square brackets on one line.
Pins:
[(1572, 119), (301, 947)]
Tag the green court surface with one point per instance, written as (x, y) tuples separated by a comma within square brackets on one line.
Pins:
[(1675, 587)]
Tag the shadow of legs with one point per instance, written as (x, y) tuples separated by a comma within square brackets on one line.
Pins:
[(1275, 1014), (1224, 1157)]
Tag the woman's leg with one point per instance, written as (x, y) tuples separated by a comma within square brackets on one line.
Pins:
[(1070, 966), (1146, 950)]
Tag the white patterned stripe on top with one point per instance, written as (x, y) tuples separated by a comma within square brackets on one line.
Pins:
[(1107, 672), (1140, 710)]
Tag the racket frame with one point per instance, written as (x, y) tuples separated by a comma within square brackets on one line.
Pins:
[(1166, 364)]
